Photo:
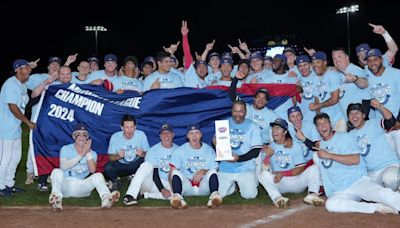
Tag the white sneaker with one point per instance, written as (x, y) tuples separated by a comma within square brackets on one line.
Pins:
[(384, 209), (177, 201), (55, 201), (215, 200), (281, 202), (110, 199), (314, 199), (29, 178)]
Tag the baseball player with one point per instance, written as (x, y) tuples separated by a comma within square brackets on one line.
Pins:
[(345, 176), (290, 54), (195, 76), (126, 151), (193, 171), (109, 73), (152, 176), (76, 176), (256, 63), (94, 63), (128, 81), (13, 100), (381, 161), (288, 173)]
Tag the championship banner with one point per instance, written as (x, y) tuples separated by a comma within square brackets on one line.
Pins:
[(64, 106)]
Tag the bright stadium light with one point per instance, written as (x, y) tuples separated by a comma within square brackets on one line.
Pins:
[(95, 29), (347, 10)]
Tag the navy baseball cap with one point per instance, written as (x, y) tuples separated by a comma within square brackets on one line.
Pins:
[(281, 57), (362, 47), (302, 59), (213, 54), (193, 127), (149, 59), (110, 57), (289, 49), (93, 59), (198, 62), (267, 57), (256, 55), (280, 122), (293, 109), (80, 127), (55, 59), (132, 59), (173, 59), (319, 55), (373, 52), (226, 55), (20, 63), (166, 127), (227, 60)]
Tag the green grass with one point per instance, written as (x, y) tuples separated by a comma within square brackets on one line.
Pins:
[(32, 197)]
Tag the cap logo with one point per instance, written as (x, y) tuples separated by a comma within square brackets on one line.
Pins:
[(222, 129)]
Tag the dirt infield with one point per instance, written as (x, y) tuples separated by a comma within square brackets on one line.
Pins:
[(297, 215)]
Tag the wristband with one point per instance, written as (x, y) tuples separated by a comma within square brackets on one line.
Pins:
[(387, 37), (89, 156)]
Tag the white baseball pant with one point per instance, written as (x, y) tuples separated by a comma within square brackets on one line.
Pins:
[(10, 156), (296, 184), (387, 177), (247, 182), (363, 189), (393, 139), (189, 190)]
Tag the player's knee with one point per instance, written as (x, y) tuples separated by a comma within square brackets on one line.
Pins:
[(249, 193), (332, 205), (390, 179), (56, 173), (265, 175)]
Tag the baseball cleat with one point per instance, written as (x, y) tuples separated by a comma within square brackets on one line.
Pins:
[(281, 202), (129, 200), (177, 201), (215, 200), (29, 178), (55, 201), (110, 199), (384, 209), (314, 199)]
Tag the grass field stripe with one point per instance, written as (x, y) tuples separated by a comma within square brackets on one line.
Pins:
[(274, 217)]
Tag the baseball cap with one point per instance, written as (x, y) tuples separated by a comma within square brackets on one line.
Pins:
[(19, 63), (289, 49), (146, 63), (200, 62), (262, 90), (193, 127), (110, 57), (362, 47), (302, 59), (94, 59), (212, 55), (132, 59), (354, 106), (373, 52), (226, 55), (149, 59), (280, 122), (227, 60), (166, 127), (79, 127), (255, 55), (173, 59), (54, 59), (293, 109), (319, 55), (267, 57), (281, 57)]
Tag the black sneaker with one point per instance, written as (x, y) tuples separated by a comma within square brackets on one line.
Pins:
[(42, 187), (15, 189), (5, 193), (115, 185), (129, 200)]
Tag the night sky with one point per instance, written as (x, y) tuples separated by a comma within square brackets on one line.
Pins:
[(141, 29)]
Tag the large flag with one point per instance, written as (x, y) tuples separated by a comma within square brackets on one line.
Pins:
[(63, 106)]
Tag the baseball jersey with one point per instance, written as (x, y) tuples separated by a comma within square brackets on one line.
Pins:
[(81, 169), (262, 117), (307, 97), (189, 161), (337, 176), (375, 150), (160, 157), (127, 83), (244, 137), (118, 142), (12, 92), (310, 131), (168, 80), (285, 159)]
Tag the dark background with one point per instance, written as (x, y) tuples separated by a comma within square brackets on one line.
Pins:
[(39, 30)]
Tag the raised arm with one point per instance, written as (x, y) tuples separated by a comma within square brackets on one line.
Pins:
[(185, 45), (391, 44), (208, 48)]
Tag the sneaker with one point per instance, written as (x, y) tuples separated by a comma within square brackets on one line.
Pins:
[(110, 199), (314, 199), (5, 193), (15, 189), (281, 202), (384, 209), (130, 177), (215, 200), (42, 187), (177, 201), (48, 180), (115, 185), (55, 201), (129, 200), (30, 177)]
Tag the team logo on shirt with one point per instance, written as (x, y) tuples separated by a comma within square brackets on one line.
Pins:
[(166, 83), (307, 90), (306, 151), (282, 159), (327, 163), (130, 153), (364, 144), (259, 120), (194, 164), (130, 86), (342, 89), (381, 92), (237, 138), (164, 164), (79, 169), (322, 89), (279, 81)]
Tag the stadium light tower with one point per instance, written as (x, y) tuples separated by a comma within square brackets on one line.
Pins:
[(95, 29), (347, 10)]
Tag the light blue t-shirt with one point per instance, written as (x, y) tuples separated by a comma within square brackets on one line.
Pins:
[(35, 80), (192, 79), (79, 170), (285, 159), (244, 137), (259, 75), (337, 176), (310, 131), (100, 74), (189, 161), (375, 150), (118, 142), (307, 97), (12, 92), (160, 157), (76, 80), (127, 83), (262, 118), (168, 80)]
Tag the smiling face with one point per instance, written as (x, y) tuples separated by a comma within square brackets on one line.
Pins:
[(356, 118), (278, 134), (324, 128), (167, 138), (128, 128)]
